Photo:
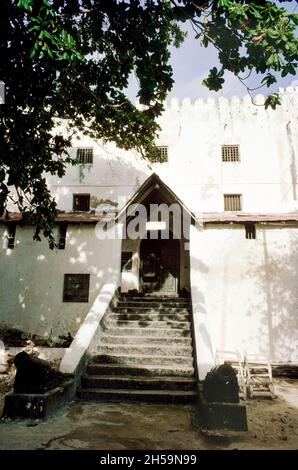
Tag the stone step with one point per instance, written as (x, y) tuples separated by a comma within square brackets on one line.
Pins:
[(149, 350), (144, 340), (163, 396), (140, 370), (164, 324), (147, 310), (117, 330), (154, 304), (127, 359), (138, 382), (151, 315), (149, 298), (144, 354)]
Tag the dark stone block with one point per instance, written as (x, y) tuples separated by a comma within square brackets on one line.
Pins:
[(38, 406), (35, 375), (222, 416)]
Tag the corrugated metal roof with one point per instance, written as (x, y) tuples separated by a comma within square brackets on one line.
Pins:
[(73, 217), (242, 218), (203, 217)]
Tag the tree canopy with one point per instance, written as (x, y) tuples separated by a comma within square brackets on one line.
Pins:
[(72, 59)]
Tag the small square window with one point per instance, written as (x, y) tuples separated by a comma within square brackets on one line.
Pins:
[(81, 202), (230, 153), (250, 231), (85, 155), (160, 154), (76, 287), (126, 261), (232, 202)]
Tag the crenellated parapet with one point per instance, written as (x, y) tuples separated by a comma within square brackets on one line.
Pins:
[(223, 109), (234, 102)]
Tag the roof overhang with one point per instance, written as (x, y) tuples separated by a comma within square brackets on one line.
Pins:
[(245, 218), (152, 184)]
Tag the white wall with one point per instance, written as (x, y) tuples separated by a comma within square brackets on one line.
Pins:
[(267, 175), (248, 289), (31, 279), (115, 174)]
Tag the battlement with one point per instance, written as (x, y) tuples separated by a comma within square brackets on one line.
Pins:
[(234, 101), (288, 96)]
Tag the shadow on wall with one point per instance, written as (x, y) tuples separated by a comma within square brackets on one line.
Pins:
[(114, 173), (204, 350), (32, 278), (247, 301), (33, 302), (278, 298)]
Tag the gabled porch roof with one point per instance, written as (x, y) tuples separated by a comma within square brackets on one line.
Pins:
[(153, 183)]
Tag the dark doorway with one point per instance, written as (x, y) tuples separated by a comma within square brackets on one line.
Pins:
[(160, 267)]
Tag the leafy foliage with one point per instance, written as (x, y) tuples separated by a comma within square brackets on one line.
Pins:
[(249, 36), (72, 59)]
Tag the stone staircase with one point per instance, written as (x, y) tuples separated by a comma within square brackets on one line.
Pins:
[(144, 354)]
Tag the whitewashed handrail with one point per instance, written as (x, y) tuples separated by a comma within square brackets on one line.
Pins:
[(204, 355), (86, 332)]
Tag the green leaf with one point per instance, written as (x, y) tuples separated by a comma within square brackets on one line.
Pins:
[(272, 101), (269, 80), (34, 28), (214, 81), (83, 81)]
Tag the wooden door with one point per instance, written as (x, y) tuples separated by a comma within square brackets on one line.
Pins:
[(169, 266), (160, 265)]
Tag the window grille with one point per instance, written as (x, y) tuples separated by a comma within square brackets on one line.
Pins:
[(232, 202), (230, 153), (250, 231), (81, 202), (62, 231), (76, 287), (11, 234), (160, 155), (85, 155)]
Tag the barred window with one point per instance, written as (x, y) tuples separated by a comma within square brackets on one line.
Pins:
[(230, 153), (11, 234), (76, 287), (232, 202), (160, 154), (250, 231), (85, 155), (81, 202), (62, 231)]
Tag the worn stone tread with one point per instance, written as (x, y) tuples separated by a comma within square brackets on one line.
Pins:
[(144, 353)]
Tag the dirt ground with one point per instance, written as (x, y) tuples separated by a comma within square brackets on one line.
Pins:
[(273, 424)]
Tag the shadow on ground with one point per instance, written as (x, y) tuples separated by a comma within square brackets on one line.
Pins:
[(273, 424)]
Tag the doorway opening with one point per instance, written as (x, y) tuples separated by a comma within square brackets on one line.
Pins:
[(160, 267)]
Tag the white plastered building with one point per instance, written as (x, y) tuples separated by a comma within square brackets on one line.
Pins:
[(232, 168)]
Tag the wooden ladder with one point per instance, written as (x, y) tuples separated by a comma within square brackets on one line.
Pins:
[(234, 359), (258, 376)]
